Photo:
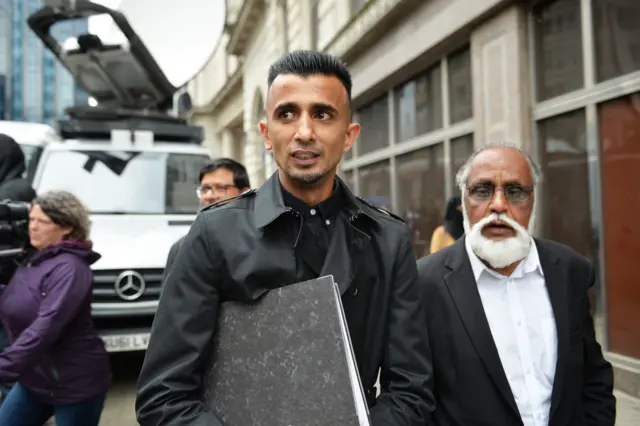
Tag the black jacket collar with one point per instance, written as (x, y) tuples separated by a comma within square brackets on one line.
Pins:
[(270, 204), (327, 209)]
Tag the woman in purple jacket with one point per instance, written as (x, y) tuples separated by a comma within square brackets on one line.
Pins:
[(55, 354)]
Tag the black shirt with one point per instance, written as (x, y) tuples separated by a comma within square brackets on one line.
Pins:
[(317, 224)]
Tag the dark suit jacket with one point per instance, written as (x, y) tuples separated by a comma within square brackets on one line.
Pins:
[(471, 387), (173, 252)]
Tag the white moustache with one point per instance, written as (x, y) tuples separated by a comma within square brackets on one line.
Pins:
[(498, 253), (519, 229)]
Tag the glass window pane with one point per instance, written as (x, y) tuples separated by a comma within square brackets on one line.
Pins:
[(566, 216), (405, 99), (429, 101), (420, 177), (32, 155), (418, 105), (348, 178), (182, 177), (617, 37), (620, 162), (558, 38), (151, 182), (348, 155), (374, 121), (460, 89), (461, 150), (375, 184)]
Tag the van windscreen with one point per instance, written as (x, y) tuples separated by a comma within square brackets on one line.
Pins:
[(31, 157), (126, 182)]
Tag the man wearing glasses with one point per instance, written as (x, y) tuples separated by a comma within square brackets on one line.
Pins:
[(220, 179), (511, 334)]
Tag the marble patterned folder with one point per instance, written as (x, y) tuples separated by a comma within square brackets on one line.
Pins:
[(286, 361)]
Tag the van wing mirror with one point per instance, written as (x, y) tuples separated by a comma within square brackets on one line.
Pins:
[(123, 74)]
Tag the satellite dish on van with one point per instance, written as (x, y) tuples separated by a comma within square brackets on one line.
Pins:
[(152, 49), (181, 35)]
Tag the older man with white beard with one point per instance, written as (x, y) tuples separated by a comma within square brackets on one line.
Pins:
[(512, 338)]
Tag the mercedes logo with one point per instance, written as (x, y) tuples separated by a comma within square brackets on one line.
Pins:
[(130, 285)]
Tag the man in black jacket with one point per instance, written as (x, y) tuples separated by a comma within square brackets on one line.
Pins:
[(220, 179), (303, 223)]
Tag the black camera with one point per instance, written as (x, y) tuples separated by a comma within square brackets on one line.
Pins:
[(14, 236)]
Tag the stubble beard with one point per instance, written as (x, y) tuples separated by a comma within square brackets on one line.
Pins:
[(307, 179)]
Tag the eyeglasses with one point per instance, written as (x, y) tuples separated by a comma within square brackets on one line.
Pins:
[(515, 193), (215, 188)]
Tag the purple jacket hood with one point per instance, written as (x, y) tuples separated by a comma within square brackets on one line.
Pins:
[(82, 250)]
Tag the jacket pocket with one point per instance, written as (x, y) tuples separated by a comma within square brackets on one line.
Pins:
[(36, 294)]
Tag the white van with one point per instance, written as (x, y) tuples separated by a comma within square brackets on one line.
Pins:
[(142, 199), (130, 162)]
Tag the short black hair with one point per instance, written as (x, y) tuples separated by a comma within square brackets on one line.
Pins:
[(305, 63), (240, 176)]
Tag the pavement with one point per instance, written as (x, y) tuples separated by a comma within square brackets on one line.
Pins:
[(628, 410), (119, 408)]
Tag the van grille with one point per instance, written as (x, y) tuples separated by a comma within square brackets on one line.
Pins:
[(104, 285)]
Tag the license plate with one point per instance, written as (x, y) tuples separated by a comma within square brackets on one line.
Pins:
[(126, 342)]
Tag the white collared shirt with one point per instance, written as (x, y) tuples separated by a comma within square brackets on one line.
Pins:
[(523, 327)]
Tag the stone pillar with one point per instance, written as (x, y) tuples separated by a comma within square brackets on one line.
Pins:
[(501, 80), (253, 149), (306, 17), (227, 144), (238, 143), (211, 140)]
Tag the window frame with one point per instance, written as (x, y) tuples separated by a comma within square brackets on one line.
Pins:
[(588, 98), (396, 148)]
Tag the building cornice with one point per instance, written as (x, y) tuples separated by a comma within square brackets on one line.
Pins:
[(367, 26), (240, 32), (230, 88)]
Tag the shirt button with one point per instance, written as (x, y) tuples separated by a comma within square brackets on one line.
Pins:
[(328, 222), (518, 323), (313, 212)]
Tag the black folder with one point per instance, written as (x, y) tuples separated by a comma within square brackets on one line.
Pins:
[(286, 360)]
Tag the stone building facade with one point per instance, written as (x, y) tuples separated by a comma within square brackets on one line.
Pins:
[(435, 78)]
